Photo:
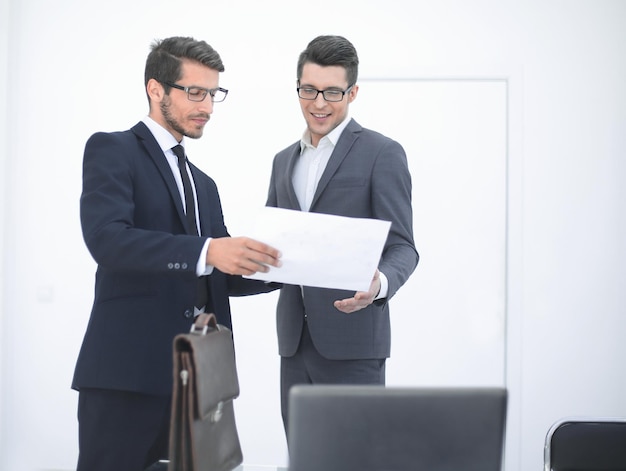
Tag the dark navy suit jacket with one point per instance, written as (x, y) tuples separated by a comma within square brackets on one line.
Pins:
[(134, 226), (367, 176)]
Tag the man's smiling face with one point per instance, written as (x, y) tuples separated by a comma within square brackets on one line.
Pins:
[(323, 116)]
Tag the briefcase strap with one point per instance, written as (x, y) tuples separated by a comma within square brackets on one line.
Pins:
[(203, 322)]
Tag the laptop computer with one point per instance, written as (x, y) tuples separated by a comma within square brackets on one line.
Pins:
[(377, 428)]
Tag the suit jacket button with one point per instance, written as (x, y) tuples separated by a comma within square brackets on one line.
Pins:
[(177, 265), (170, 265), (184, 266), (188, 313)]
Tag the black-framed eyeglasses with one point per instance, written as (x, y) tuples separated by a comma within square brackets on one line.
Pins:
[(308, 93), (199, 94)]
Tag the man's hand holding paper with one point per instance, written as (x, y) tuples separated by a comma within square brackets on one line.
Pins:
[(361, 299)]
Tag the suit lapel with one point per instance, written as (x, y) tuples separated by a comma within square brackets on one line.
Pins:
[(346, 140), (293, 199), (158, 157)]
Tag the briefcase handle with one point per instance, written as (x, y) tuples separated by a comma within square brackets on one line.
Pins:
[(203, 322)]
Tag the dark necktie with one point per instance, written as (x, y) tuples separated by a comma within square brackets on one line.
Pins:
[(190, 206), (190, 211)]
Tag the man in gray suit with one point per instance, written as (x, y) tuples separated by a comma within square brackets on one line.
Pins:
[(340, 168)]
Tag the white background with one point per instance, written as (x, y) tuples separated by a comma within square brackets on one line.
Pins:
[(555, 275)]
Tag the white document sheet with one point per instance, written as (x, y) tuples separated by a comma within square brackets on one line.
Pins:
[(321, 250)]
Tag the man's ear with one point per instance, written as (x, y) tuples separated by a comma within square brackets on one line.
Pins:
[(155, 90), (353, 92)]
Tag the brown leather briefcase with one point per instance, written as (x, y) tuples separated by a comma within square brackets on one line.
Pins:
[(203, 433)]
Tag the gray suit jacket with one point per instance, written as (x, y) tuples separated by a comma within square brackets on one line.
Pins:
[(367, 176)]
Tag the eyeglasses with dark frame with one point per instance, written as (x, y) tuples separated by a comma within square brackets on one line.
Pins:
[(332, 95), (199, 94)]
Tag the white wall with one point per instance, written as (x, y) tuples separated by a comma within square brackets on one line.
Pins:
[(4, 67), (76, 67)]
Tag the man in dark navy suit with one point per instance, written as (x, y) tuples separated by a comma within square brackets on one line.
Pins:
[(153, 222)]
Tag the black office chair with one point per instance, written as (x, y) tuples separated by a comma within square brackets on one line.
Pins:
[(586, 444)]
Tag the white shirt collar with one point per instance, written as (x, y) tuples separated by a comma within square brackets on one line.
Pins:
[(332, 137), (163, 137)]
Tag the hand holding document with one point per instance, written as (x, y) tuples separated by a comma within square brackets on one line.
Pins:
[(321, 250)]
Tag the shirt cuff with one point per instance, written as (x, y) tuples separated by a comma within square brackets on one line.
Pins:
[(384, 286), (202, 269)]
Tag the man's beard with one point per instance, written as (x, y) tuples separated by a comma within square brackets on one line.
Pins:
[(175, 125)]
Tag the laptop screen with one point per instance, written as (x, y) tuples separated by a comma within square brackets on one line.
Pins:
[(377, 428)]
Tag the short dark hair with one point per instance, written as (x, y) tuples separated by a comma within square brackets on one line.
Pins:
[(166, 56), (331, 50)]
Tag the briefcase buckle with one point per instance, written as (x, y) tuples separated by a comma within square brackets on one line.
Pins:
[(202, 324), (199, 330), (216, 415)]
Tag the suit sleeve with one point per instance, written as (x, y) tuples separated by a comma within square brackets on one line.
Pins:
[(128, 219), (391, 201)]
